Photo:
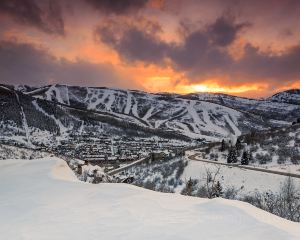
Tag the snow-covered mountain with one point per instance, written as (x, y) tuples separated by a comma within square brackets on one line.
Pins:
[(284, 108), (290, 96), (280, 106), (56, 111)]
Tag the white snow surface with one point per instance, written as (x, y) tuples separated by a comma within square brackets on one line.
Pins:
[(42, 199), (247, 181)]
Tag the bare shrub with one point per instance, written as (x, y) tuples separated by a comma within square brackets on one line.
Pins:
[(285, 203)]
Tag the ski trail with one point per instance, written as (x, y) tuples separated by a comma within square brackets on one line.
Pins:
[(57, 94), (183, 126), (93, 105), (148, 114), (158, 123), (191, 110), (110, 101), (237, 132), (62, 128), (207, 119), (186, 131), (87, 98), (135, 109), (24, 120), (206, 124), (67, 95), (128, 103)]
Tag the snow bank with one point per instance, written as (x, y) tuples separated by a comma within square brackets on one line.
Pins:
[(247, 181), (62, 171), (41, 199)]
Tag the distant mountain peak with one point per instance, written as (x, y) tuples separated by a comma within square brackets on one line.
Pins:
[(291, 96)]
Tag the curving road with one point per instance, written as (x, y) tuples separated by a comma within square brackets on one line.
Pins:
[(194, 158)]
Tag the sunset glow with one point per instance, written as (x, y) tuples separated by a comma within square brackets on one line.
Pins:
[(149, 119), (215, 88), (160, 46)]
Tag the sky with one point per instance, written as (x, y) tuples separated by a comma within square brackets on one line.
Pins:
[(244, 48)]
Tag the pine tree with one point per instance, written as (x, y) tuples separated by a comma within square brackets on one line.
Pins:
[(222, 149), (238, 144), (229, 158), (250, 157), (232, 155), (245, 158)]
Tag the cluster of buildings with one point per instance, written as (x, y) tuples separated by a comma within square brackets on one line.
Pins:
[(107, 149)]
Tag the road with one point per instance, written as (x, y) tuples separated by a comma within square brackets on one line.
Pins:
[(194, 158), (117, 170)]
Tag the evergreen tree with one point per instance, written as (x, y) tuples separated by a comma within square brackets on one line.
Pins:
[(232, 155), (250, 157), (222, 149), (245, 158), (238, 144)]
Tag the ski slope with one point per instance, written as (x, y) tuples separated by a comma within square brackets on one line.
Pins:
[(42, 199), (189, 117)]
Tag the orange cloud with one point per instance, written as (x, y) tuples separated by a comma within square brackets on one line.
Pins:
[(79, 43)]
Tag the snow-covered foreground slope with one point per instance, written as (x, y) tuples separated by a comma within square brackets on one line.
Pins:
[(41, 199)]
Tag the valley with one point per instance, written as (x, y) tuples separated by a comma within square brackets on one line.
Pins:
[(164, 142)]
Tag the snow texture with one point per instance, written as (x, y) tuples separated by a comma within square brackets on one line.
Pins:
[(42, 199)]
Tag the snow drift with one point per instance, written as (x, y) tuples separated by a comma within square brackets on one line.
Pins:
[(42, 199)]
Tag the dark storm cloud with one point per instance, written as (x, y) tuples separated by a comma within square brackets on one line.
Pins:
[(284, 66), (201, 49), (204, 53), (224, 31), (135, 45), (201, 59), (117, 6), (45, 14), (198, 54), (26, 64)]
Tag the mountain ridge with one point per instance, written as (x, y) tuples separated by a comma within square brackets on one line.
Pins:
[(70, 109)]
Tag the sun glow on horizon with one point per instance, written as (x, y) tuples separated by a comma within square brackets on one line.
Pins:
[(216, 88), (166, 83)]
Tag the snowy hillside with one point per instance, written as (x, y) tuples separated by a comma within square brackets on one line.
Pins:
[(48, 115), (277, 109), (32, 121), (10, 152), (44, 200), (290, 96), (270, 148), (196, 119)]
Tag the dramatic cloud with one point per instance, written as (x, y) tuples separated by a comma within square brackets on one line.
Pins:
[(26, 64), (224, 31), (134, 44), (159, 45), (199, 55), (117, 6), (260, 65), (200, 50), (44, 15), (204, 53)]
